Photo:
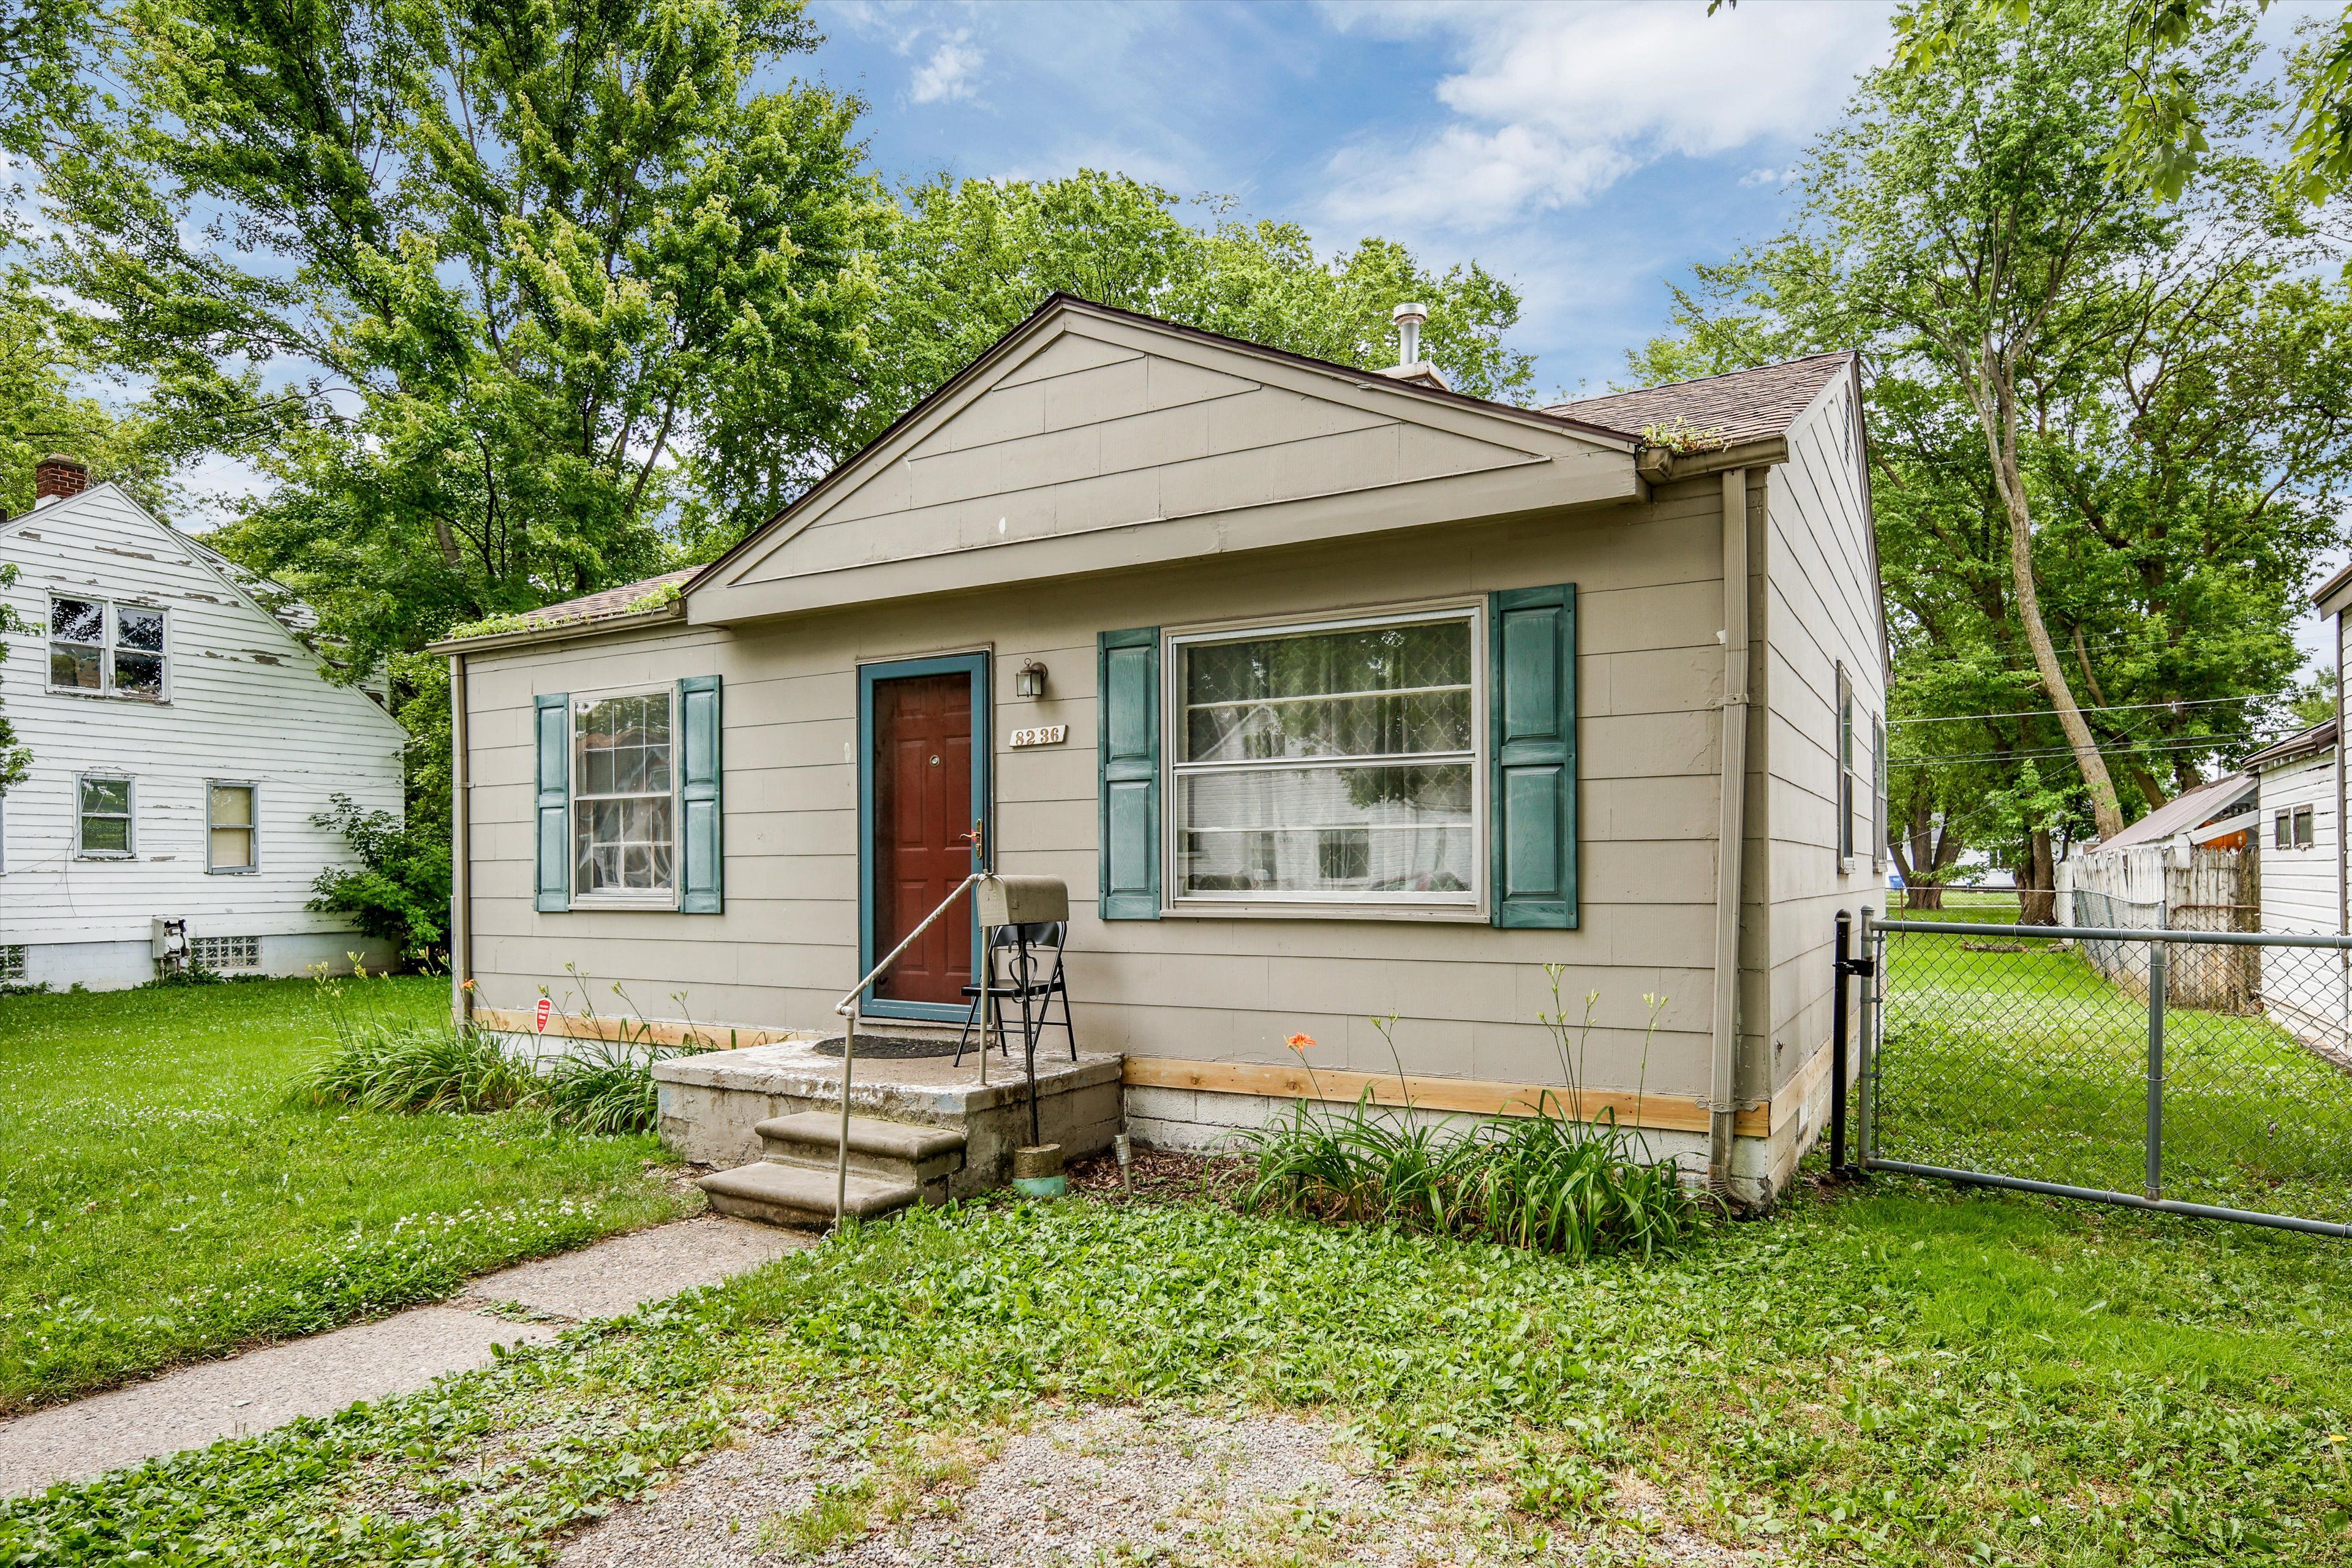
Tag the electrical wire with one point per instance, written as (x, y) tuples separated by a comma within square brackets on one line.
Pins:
[(2109, 708)]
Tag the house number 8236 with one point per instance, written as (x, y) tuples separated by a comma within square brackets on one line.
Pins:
[(1041, 735)]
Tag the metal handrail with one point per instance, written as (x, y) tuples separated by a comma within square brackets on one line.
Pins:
[(847, 1008)]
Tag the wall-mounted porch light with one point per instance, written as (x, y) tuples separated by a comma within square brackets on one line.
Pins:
[(1029, 680)]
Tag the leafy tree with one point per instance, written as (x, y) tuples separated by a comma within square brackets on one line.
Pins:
[(2108, 435), (478, 285), (2161, 140)]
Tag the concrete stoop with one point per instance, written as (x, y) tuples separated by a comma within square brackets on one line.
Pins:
[(920, 1131), (892, 1164)]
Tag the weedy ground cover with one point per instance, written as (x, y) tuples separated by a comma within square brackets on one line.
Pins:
[(1897, 1375), (169, 1192)]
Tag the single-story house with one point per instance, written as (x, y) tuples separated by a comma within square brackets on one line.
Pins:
[(1330, 693), (185, 741)]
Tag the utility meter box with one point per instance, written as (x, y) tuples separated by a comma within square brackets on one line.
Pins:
[(1021, 900), (168, 942)]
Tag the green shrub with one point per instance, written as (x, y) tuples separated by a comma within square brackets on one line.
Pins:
[(395, 1066), (1557, 1181), (602, 1087)]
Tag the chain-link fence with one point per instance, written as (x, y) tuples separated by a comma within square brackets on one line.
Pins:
[(2200, 1072)]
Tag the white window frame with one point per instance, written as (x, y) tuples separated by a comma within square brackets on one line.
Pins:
[(253, 829), (622, 898), (1175, 901), (1842, 759), (129, 817), (109, 621)]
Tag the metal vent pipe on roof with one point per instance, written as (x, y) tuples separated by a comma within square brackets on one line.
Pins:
[(1409, 318)]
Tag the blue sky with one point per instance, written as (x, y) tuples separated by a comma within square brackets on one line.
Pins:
[(1589, 153)]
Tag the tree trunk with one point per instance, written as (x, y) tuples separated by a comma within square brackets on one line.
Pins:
[(2037, 884), (1923, 896), (1999, 419)]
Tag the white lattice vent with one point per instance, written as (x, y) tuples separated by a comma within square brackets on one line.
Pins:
[(12, 962), (225, 951)]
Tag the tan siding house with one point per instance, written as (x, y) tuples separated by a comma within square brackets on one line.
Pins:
[(1358, 698)]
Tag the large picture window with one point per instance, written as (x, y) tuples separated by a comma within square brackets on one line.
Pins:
[(624, 803), (1328, 763), (108, 649)]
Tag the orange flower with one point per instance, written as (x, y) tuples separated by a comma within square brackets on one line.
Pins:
[(1299, 1043), (465, 985)]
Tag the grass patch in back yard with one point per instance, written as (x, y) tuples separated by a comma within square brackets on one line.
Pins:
[(167, 1193)]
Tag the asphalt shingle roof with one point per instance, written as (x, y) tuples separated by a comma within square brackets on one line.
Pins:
[(1738, 405), (610, 602)]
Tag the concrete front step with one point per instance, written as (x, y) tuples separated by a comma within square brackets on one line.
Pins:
[(800, 1195), (923, 1153)]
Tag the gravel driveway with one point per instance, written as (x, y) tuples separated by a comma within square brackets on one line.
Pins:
[(1105, 1485)]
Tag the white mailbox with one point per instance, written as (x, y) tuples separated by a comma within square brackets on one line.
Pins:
[(1021, 900)]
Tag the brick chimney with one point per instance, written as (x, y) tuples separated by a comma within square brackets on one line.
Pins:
[(57, 477)]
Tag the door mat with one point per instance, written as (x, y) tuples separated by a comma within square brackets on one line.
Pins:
[(887, 1047)]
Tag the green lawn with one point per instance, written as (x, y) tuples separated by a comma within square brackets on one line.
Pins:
[(1904, 1374), (166, 1196), (2033, 1064)]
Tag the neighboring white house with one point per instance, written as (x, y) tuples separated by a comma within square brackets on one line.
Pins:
[(2296, 828), (183, 738)]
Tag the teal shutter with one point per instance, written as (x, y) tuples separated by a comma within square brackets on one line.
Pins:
[(1128, 682), (701, 873), (554, 744), (1533, 718)]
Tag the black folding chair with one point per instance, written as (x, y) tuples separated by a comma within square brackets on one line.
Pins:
[(1021, 984)]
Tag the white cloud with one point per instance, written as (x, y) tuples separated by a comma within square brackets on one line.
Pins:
[(1760, 177), (948, 74), (1552, 105)]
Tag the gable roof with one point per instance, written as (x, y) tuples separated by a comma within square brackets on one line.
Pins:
[(273, 599), (2303, 743), (1735, 407), (1062, 503), (2188, 809)]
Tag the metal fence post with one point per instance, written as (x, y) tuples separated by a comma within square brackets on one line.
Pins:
[(2157, 959), (1841, 971), (1873, 948)]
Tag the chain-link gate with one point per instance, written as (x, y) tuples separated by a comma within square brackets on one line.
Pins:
[(2203, 1073)]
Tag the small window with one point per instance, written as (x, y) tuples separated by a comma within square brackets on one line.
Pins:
[(2303, 827), (1845, 768), (105, 826), (229, 828), (1327, 764), (225, 952), (106, 650), (624, 805), (2282, 831), (11, 961)]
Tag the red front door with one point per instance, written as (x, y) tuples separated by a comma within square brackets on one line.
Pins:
[(922, 825)]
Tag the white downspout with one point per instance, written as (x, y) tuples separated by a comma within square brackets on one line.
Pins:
[(1731, 833), (461, 789)]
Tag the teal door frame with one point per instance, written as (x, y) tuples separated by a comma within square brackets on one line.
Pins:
[(975, 665)]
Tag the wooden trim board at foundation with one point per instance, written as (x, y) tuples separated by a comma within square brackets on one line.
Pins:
[(1475, 1097), (1662, 1113)]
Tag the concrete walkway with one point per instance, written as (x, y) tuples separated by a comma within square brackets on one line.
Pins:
[(319, 1375)]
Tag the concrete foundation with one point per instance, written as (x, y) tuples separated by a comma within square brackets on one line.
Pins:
[(120, 965), (711, 1103)]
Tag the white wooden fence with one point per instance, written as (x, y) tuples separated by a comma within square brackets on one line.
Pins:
[(2155, 887)]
